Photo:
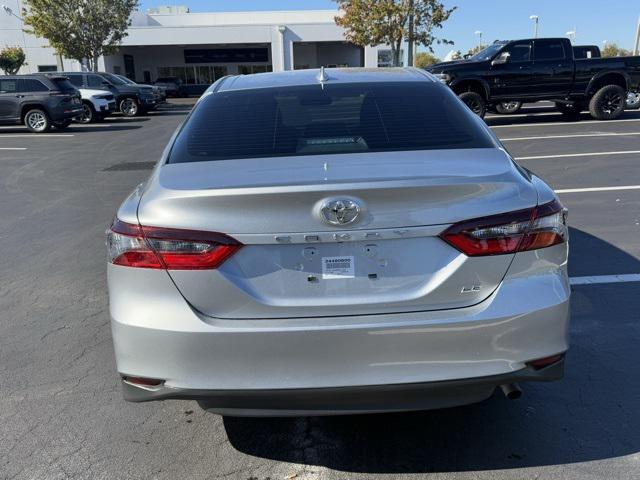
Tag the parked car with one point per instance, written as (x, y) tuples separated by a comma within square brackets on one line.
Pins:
[(96, 105), (173, 86), (342, 241), (38, 101), (131, 100), (542, 69), (159, 92)]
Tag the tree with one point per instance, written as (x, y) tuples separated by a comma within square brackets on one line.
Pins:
[(80, 29), (11, 59), (613, 50), (386, 22), (424, 59)]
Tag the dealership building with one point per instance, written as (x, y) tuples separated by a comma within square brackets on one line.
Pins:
[(201, 47)]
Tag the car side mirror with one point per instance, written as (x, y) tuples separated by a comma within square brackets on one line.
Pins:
[(501, 59)]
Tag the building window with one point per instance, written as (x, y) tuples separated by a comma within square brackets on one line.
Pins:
[(194, 75), (249, 69), (47, 68)]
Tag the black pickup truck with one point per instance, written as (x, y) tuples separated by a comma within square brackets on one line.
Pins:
[(542, 69)]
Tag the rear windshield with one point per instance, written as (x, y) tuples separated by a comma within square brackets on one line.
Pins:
[(317, 120), (63, 84)]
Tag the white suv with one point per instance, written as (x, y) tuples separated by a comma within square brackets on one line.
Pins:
[(96, 104)]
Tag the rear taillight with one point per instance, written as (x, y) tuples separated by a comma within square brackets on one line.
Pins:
[(174, 249), (518, 231)]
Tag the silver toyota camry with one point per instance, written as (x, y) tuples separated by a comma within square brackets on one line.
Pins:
[(336, 241)]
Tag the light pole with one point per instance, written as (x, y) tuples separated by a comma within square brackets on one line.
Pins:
[(479, 33), (636, 46), (536, 20), (572, 35)]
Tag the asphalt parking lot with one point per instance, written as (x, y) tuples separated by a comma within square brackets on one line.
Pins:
[(61, 411)]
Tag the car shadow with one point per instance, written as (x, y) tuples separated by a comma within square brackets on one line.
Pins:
[(590, 415), (96, 127), (168, 113)]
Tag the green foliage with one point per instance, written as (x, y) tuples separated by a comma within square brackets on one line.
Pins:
[(386, 22), (613, 50), (80, 29), (424, 59), (11, 59)]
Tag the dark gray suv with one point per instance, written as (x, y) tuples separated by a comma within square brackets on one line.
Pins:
[(131, 100), (38, 101)]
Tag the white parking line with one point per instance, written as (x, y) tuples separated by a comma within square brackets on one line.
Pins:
[(594, 280), (517, 139), (516, 115), (598, 189), (12, 148), (567, 155), (36, 135), (583, 122)]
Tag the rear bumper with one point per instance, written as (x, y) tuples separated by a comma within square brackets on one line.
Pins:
[(158, 335), (67, 112), (345, 400)]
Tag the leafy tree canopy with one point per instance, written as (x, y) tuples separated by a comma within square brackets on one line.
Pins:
[(613, 50), (424, 59), (386, 22), (80, 29), (11, 59)]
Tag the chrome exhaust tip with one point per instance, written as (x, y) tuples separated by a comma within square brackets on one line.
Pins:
[(511, 390)]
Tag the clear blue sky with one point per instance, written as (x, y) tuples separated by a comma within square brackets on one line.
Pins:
[(594, 20)]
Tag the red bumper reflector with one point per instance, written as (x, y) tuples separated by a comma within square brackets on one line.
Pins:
[(546, 361)]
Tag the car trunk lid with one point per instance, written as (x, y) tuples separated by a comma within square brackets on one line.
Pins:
[(294, 264)]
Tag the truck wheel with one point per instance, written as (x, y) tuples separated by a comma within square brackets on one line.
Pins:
[(88, 114), (506, 108), (129, 107), (37, 121), (608, 103), (475, 102)]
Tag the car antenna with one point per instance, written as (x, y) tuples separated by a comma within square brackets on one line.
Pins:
[(322, 76)]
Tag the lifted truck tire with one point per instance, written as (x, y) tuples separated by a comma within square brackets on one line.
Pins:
[(608, 103), (475, 102)]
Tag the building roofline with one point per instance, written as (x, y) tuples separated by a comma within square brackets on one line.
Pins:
[(245, 12)]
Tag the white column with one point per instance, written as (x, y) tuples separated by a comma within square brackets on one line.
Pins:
[(371, 57), (277, 49)]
